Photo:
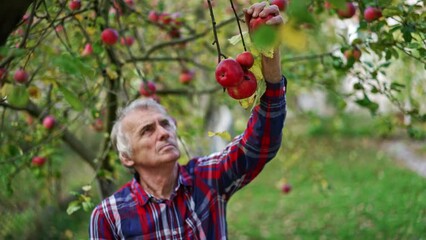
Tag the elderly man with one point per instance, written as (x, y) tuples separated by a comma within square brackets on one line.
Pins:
[(166, 200)]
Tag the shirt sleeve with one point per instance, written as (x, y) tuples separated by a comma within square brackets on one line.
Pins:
[(100, 225), (243, 159)]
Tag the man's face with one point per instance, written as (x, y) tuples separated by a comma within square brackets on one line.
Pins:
[(152, 138)]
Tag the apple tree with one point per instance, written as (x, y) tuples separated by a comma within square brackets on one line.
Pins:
[(67, 66)]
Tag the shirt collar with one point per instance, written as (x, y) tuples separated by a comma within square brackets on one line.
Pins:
[(142, 197)]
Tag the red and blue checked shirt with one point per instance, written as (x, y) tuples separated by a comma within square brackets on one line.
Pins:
[(197, 207)]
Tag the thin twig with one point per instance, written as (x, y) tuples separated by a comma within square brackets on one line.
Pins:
[(238, 23), (216, 40)]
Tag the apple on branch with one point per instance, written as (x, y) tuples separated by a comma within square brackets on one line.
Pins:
[(348, 11), (88, 49), (75, 5), (372, 13), (245, 59), (109, 36), (38, 161), (149, 89), (354, 53), (246, 88), (20, 76), (229, 73), (186, 76), (49, 122)]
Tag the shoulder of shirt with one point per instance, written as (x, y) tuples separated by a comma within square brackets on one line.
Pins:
[(117, 199)]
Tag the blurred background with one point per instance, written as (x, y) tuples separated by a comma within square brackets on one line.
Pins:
[(353, 159)]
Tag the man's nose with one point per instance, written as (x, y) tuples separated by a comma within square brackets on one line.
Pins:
[(163, 132)]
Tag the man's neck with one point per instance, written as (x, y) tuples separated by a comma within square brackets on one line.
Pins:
[(159, 182)]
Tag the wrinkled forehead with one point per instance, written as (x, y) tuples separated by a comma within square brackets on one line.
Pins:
[(142, 116)]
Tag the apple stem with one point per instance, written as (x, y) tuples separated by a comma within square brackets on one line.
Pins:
[(216, 40), (238, 23)]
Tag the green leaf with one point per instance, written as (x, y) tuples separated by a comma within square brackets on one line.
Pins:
[(340, 4), (17, 95), (72, 65), (265, 37), (397, 86), (73, 207), (71, 98)]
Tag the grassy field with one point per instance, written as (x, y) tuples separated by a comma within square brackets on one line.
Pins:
[(342, 188)]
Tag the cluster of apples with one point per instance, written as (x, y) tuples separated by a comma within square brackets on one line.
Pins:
[(234, 75), (371, 13), (169, 21)]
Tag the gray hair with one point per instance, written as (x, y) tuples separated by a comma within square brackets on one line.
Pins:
[(118, 138)]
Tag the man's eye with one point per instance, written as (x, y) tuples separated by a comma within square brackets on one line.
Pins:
[(166, 123)]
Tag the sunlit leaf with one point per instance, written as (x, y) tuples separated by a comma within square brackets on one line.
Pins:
[(71, 98), (17, 95), (224, 135), (73, 207), (293, 38)]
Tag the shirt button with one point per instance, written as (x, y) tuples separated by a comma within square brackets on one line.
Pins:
[(174, 232)]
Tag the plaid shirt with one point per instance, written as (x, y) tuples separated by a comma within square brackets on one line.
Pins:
[(197, 207)]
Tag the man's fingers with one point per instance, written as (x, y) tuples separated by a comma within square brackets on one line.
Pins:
[(277, 20), (271, 10), (256, 8)]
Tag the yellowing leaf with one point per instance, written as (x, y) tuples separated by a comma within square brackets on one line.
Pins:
[(224, 135), (91, 30), (247, 102), (293, 38), (79, 17), (34, 92), (86, 188), (235, 39), (256, 69), (111, 73)]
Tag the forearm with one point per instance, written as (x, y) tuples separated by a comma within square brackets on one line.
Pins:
[(271, 67)]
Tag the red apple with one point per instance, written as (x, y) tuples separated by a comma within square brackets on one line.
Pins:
[(245, 59), (20, 76), (38, 161), (286, 188), (153, 16), (186, 76), (229, 73), (98, 125), (49, 122), (88, 49), (372, 13), (255, 23), (127, 41), (347, 12), (327, 5), (3, 73), (174, 32), (281, 4), (165, 18), (109, 36), (245, 88), (147, 90), (75, 5), (354, 52), (130, 3)]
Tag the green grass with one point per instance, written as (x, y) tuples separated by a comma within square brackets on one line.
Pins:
[(342, 188)]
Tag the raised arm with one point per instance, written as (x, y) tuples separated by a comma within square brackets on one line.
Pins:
[(244, 158)]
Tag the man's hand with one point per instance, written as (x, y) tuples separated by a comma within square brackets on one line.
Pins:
[(271, 67), (261, 10)]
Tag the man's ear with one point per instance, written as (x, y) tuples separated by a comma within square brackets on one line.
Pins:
[(126, 160)]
